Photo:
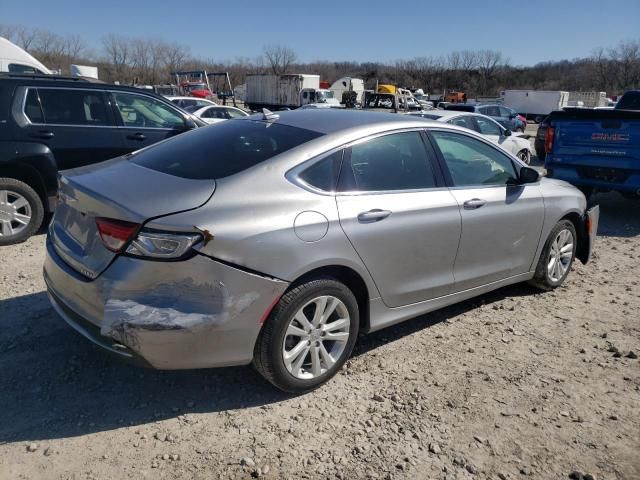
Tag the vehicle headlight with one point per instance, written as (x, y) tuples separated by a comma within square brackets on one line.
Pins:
[(162, 245)]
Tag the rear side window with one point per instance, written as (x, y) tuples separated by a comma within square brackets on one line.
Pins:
[(392, 162), (221, 150), (73, 107), (465, 122), (323, 174), (32, 108)]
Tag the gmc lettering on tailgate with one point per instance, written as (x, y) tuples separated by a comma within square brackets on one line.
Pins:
[(610, 137)]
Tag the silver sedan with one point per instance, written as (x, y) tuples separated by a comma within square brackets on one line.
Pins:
[(277, 239)]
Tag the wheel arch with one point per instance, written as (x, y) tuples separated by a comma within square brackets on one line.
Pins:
[(349, 277), (583, 237), (28, 175)]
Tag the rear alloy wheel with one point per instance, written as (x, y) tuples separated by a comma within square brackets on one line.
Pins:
[(21, 211), (557, 256), (525, 156), (308, 336)]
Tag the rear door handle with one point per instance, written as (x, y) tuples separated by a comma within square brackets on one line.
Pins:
[(374, 215), (43, 134), (137, 136), (473, 203)]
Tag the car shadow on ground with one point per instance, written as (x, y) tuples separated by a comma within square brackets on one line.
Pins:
[(56, 384)]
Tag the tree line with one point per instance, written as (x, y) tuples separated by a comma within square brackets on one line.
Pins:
[(149, 61)]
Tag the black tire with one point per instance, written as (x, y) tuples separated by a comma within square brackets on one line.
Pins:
[(525, 156), (268, 353), (542, 278), (12, 185)]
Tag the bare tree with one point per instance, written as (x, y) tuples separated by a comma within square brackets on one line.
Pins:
[(626, 57), (279, 58), (117, 51), (488, 62)]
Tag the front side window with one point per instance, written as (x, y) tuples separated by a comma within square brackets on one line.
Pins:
[(486, 126), (70, 107), (505, 112), (472, 162), (392, 162), (146, 112), (227, 149)]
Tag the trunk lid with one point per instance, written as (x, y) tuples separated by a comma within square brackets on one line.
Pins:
[(120, 190)]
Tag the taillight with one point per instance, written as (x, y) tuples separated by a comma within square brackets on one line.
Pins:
[(548, 139), (115, 233)]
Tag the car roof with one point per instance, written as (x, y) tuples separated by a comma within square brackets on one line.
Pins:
[(76, 82), (333, 120)]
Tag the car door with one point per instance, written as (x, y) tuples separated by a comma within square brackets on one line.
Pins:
[(507, 118), (76, 124), (403, 223), (145, 120), (501, 220)]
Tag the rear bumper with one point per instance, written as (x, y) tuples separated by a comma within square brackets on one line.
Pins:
[(196, 313), (600, 177)]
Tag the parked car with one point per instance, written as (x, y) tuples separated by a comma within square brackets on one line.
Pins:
[(50, 123), (597, 149), (189, 102), (489, 128), (215, 114), (276, 239), (506, 117)]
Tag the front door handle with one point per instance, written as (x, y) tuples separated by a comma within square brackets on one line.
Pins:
[(136, 136), (374, 215), (43, 134), (473, 203)]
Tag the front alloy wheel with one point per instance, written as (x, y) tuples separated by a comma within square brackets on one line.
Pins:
[(560, 255)]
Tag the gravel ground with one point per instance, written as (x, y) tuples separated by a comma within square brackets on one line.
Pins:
[(513, 384)]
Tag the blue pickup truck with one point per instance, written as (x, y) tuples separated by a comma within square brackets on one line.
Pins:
[(597, 150)]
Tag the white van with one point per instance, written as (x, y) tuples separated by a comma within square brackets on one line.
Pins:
[(14, 59)]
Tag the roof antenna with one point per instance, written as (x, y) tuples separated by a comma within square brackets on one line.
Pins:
[(269, 116)]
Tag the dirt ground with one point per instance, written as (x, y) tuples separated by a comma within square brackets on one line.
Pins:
[(513, 384)]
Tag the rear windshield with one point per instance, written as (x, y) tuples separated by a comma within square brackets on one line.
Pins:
[(629, 101), (223, 149)]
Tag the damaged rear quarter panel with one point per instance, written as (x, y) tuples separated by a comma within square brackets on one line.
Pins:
[(189, 314)]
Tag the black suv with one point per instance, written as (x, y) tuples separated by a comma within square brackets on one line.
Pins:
[(50, 123)]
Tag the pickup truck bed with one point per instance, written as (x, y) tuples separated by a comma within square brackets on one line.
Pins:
[(595, 149)]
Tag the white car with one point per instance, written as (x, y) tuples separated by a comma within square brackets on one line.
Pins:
[(512, 142), (218, 113), (185, 102)]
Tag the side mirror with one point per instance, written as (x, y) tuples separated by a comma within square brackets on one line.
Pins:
[(507, 133), (528, 175), (189, 123), (512, 116)]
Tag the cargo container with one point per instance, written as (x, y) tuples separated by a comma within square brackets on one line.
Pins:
[(277, 92), (535, 104)]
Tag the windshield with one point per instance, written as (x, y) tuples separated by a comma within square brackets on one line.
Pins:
[(323, 95), (223, 150), (196, 86)]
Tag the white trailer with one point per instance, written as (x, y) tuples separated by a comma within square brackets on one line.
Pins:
[(83, 71), (588, 99), (347, 84), (14, 59), (276, 92), (535, 104)]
